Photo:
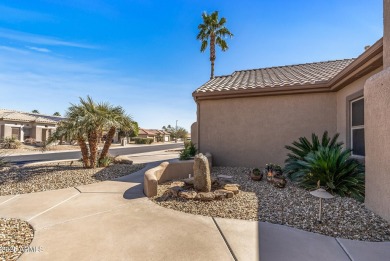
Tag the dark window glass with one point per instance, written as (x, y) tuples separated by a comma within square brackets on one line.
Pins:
[(15, 133), (358, 142), (358, 113)]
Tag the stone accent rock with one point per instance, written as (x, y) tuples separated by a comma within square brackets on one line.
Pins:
[(226, 193), (205, 196), (177, 184), (187, 194), (279, 181), (202, 181), (174, 191), (189, 181), (123, 160), (232, 187)]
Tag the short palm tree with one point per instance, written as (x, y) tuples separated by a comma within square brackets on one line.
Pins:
[(86, 121), (113, 118), (213, 31)]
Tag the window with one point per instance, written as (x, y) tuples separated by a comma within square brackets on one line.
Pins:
[(15, 133), (357, 127)]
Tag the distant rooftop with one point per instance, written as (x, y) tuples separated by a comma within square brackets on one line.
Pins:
[(290, 75), (13, 115)]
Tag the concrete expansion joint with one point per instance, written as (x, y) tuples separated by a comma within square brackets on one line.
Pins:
[(343, 248), (56, 205), (9, 199), (77, 189), (116, 208), (224, 239)]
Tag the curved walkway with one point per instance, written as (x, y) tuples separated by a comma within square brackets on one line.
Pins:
[(113, 220)]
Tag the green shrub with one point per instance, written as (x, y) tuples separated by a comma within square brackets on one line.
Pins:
[(190, 146), (334, 169), (184, 154), (143, 140), (106, 161), (10, 143), (301, 148)]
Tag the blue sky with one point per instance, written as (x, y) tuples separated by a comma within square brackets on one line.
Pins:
[(144, 56)]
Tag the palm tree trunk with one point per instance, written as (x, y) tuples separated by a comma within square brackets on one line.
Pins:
[(93, 147), (107, 143), (84, 151), (212, 54)]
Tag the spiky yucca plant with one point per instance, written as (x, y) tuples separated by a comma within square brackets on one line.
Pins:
[(301, 148), (334, 169)]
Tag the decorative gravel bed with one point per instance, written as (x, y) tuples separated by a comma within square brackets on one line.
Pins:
[(15, 236), (291, 206), (53, 176)]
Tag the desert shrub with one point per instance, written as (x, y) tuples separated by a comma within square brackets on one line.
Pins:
[(184, 154), (334, 169), (301, 148), (10, 143), (143, 140), (104, 162), (30, 141), (190, 146)]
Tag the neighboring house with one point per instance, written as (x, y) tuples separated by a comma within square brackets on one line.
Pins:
[(156, 135), (23, 125)]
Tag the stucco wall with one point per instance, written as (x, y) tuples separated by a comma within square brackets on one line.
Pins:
[(194, 133), (386, 33), (377, 139), (253, 131), (341, 96)]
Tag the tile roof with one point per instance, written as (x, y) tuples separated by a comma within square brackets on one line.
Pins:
[(281, 76), (27, 117), (151, 132)]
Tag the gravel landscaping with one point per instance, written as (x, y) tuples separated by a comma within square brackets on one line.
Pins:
[(14, 180), (15, 236), (291, 206)]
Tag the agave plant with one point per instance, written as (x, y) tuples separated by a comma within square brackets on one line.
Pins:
[(332, 168), (301, 148)]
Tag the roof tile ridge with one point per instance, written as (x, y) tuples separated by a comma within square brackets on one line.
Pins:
[(293, 65)]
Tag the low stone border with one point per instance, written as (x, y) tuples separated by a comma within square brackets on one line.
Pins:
[(168, 171)]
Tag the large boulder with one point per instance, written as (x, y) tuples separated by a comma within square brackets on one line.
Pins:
[(202, 180), (123, 160)]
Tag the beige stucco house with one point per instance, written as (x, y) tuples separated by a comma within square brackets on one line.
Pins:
[(156, 135), (246, 118), (23, 125)]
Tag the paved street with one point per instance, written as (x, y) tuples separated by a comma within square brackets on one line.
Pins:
[(23, 159)]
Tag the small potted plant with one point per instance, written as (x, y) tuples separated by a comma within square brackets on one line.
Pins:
[(256, 174), (275, 175)]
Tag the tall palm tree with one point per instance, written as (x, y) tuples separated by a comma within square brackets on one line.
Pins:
[(213, 31)]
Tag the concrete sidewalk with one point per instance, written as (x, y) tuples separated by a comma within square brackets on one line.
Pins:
[(112, 220)]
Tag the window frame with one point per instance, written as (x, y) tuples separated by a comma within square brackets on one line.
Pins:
[(352, 128), (348, 121)]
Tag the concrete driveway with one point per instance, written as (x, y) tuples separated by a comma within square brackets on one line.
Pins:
[(113, 220)]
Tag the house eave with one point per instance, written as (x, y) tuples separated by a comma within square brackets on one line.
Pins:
[(367, 62)]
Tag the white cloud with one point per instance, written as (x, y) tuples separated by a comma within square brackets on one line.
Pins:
[(38, 49), (40, 39)]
